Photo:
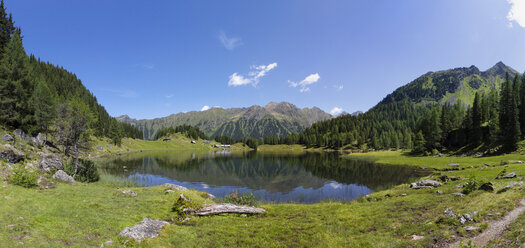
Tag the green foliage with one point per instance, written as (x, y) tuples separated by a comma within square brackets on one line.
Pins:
[(23, 177), (183, 206), (247, 199), (87, 171), (471, 185), (251, 143), (189, 131)]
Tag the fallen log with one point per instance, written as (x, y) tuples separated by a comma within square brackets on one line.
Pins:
[(212, 209)]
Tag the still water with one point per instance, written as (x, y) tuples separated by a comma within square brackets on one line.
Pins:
[(307, 177)]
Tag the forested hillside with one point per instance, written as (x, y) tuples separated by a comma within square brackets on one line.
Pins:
[(461, 108), (33, 92)]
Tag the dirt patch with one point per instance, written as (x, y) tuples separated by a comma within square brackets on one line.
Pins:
[(496, 228)]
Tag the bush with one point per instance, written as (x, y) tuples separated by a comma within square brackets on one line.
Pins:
[(471, 185), (87, 171), (247, 199), (23, 177)]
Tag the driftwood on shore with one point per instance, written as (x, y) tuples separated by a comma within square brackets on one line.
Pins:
[(212, 209)]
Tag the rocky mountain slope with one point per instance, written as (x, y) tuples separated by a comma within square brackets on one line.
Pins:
[(274, 119)]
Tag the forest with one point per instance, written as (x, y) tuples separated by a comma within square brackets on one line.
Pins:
[(39, 97)]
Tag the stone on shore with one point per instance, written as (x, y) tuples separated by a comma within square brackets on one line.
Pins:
[(175, 187), (147, 228)]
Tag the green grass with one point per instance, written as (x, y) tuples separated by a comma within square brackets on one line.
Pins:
[(90, 214), (429, 162)]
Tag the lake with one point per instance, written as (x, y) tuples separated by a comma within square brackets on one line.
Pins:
[(299, 177)]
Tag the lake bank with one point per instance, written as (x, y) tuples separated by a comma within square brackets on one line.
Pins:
[(91, 214)]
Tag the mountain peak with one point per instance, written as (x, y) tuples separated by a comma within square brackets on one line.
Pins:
[(499, 69)]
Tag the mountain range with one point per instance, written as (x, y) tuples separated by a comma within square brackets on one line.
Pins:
[(274, 119), (453, 85)]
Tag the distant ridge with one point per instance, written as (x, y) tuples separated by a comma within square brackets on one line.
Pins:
[(275, 119)]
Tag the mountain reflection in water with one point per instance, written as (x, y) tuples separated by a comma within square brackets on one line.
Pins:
[(305, 177)]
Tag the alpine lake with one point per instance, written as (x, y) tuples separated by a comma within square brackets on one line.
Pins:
[(276, 177)]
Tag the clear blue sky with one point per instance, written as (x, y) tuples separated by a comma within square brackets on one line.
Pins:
[(154, 58)]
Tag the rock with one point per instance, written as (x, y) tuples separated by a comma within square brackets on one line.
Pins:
[(454, 178), (510, 175), (42, 182), (458, 194), (147, 228), (128, 193), (50, 162), (21, 135), (487, 187), (404, 194), (100, 147), (425, 184), (510, 185), (487, 164), (11, 154), (175, 187), (107, 243), (444, 178), (169, 191), (38, 140), (468, 217), (450, 213), (109, 146), (462, 220), (439, 192), (453, 165), (459, 186), (210, 196), (212, 209), (8, 138), (471, 228), (416, 237), (62, 176), (513, 162)]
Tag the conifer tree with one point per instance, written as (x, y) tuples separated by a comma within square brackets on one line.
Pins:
[(476, 132), (522, 107), (44, 105)]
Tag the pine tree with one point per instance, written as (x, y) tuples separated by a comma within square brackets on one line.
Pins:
[(522, 107), (419, 143), (15, 85), (44, 105), (509, 121), (476, 134), (6, 27)]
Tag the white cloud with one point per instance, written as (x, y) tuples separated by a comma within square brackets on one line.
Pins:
[(336, 111), (517, 12), (338, 87), (229, 42), (206, 107), (310, 79), (253, 77)]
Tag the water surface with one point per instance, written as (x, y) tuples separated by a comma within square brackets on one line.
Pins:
[(305, 177)]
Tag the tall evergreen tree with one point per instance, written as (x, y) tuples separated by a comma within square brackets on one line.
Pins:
[(476, 133), (522, 106), (6, 27), (44, 105), (508, 112), (15, 84)]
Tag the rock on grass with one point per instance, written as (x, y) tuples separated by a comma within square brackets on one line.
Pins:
[(147, 228)]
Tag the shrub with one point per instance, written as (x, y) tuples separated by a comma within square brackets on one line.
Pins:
[(87, 171), (23, 177), (243, 198), (471, 185), (183, 206)]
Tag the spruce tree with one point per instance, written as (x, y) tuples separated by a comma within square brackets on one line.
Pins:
[(522, 107), (6, 27), (476, 132), (44, 105)]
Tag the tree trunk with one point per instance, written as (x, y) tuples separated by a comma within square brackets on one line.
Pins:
[(212, 209)]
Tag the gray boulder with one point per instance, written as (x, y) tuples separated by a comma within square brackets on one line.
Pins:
[(175, 187), (510, 175), (8, 138), (11, 154), (453, 165), (50, 162), (42, 182), (450, 213), (458, 194), (100, 147), (38, 140), (128, 192), (147, 228), (62, 176), (425, 184), (22, 135), (510, 186)]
